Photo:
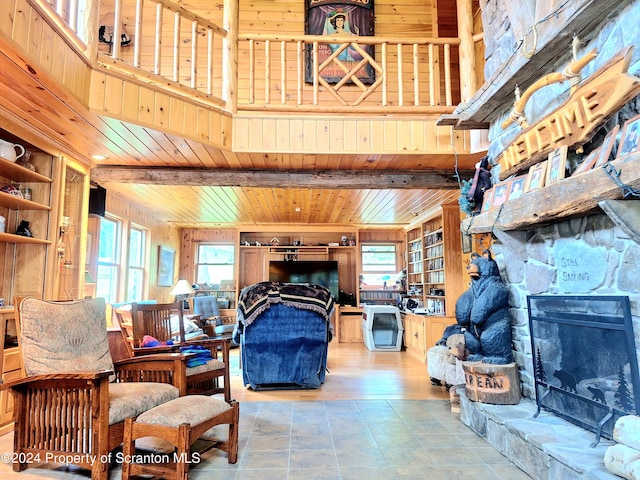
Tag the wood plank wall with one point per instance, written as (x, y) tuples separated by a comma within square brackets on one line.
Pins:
[(398, 19), (25, 26)]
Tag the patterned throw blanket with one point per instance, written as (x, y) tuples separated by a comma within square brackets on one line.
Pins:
[(257, 298)]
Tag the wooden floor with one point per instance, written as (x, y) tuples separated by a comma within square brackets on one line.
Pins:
[(355, 373)]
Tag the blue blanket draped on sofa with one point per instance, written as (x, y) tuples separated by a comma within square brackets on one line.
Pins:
[(284, 331)]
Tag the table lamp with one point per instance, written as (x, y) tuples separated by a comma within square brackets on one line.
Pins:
[(182, 290)]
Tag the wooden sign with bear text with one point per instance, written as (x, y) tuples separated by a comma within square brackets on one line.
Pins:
[(494, 384)]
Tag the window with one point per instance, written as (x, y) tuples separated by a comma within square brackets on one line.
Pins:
[(135, 264), (215, 263), (108, 259), (379, 265)]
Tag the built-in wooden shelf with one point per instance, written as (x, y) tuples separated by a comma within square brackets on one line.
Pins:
[(18, 173), (12, 238), (17, 203)]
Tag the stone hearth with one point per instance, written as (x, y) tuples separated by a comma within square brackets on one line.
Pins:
[(546, 447)]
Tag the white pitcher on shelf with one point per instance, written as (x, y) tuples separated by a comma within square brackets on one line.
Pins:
[(8, 150)]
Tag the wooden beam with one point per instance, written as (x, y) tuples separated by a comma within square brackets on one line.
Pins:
[(568, 198), (323, 179)]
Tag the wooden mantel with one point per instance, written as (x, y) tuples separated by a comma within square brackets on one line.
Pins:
[(570, 197)]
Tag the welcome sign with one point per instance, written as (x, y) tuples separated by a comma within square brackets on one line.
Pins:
[(589, 106)]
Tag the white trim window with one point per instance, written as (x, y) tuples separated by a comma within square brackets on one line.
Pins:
[(215, 263), (379, 265), (109, 259), (136, 270)]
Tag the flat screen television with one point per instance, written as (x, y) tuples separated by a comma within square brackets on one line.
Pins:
[(320, 272)]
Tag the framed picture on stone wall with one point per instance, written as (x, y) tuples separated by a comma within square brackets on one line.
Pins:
[(500, 193), (587, 163), (536, 176), (516, 187), (486, 200), (556, 164)]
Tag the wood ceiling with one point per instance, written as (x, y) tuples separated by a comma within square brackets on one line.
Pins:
[(222, 187), (38, 114)]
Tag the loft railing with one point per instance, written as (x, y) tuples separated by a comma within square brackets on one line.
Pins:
[(164, 44), (385, 74)]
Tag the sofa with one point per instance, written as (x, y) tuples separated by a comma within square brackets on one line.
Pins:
[(284, 331)]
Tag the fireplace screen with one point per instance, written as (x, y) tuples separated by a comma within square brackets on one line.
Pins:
[(584, 359)]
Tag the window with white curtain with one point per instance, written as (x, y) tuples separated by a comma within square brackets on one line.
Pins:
[(109, 259), (136, 272)]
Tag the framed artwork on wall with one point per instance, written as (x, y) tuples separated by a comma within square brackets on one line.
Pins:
[(166, 263), (486, 200), (556, 164), (500, 192), (466, 243), (630, 141), (344, 19), (516, 187), (535, 178)]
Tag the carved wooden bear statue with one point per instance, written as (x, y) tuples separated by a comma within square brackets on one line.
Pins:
[(483, 311)]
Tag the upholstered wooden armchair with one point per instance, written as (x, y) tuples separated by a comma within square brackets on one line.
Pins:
[(74, 399), (165, 321)]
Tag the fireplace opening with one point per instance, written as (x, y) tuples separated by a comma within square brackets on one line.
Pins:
[(584, 359)]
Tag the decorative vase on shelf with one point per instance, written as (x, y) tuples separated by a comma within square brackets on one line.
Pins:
[(24, 161)]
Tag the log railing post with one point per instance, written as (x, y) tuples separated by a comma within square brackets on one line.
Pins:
[(230, 55), (467, 51)]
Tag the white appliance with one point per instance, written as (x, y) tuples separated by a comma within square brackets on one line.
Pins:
[(382, 328)]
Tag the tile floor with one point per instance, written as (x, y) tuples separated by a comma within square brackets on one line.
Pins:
[(336, 440)]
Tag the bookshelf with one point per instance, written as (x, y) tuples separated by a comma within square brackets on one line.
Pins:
[(435, 272), (415, 267), (380, 297)]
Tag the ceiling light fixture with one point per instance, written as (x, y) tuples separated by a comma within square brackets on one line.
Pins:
[(99, 157)]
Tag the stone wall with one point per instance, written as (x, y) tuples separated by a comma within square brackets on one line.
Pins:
[(584, 256), (588, 255), (503, 24)]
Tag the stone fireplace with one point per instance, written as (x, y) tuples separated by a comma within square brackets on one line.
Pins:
[(555, 245), (588, 257)]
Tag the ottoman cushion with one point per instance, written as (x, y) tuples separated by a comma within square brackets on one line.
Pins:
[(191, 409)]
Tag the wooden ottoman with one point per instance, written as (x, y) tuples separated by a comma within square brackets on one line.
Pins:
[(180, 422)]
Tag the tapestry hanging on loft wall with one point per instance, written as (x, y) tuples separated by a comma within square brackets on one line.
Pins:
[(344, 19)]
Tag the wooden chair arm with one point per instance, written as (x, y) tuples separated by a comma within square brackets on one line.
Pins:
[(63, 380), (213, 344), (154, 357), (162, 367), (142, 351)]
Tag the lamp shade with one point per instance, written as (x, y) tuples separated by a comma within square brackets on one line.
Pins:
[(182, 288)]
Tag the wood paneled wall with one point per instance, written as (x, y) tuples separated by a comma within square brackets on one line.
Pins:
[(24, 25), (397, 19)]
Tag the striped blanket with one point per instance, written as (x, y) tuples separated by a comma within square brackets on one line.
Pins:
[(257, 298)]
